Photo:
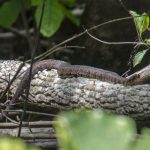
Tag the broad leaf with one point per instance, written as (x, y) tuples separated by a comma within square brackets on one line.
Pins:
[(141, 21), (52, 17), (143, 142), (87, 130), (138, 57), (147, 41), (14, 144), (9, 12), (68, 2), (36, 2)]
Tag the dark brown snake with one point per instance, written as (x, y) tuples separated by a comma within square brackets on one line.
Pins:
[(66, 70)]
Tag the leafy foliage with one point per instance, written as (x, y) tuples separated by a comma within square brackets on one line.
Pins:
[(143, 143), (54, 13), (142, 23), (9, 12), (10, 6), (68, 2), (15, 144), (52, 18), (139, 57), (86, 130)]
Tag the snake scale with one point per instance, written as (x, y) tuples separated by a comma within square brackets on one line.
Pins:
[(66, 70)]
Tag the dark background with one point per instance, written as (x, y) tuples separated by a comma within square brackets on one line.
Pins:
[(110, 57)]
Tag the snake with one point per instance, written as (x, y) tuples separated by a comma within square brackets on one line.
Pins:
[(65, 69)]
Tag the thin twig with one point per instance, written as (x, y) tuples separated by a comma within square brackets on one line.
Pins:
[(113, 43), (4, 79), (32, 124), (12, 32), (80, 34), (32, 61), (124, 7), (5, 115), (134, 51), (11, 81), (59, 49), (14, 112), (24, 18)]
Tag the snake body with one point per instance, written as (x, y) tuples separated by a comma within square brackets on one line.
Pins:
[(65, 70), (91, 72), (38, 66)]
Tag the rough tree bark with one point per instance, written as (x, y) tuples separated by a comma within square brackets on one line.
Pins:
[(50, 91)]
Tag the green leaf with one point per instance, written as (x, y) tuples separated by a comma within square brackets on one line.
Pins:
[(143, 142), (9, 12), (138, 57), (68, 14), (68, 2), (147, 41), (27, 4), (36, 2), (52, 17), (94, 130), (15, 144), (141, 21)]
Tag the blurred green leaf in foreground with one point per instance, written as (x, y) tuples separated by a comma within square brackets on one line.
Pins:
[(95, 130), (14, 144)]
